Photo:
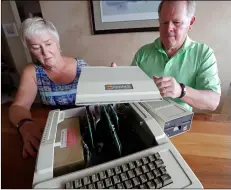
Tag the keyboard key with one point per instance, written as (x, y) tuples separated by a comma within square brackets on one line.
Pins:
[(138, 163), (116, 179), (166, 179), (120, 186), (157, 156), (156, 173), (108, 182), (131, 174), (118, 170), (86, 180), (151, 166), (91, 186), (136, 181), (102, 175), (144, 160), (158, 183), (95, 178), (128, 184), (124, 167), (151, 185), (69, 185), (143, 186), (83, 187), (138, 171), (159, 163), (110, 172), (100, 185), (123, 176), (77, 183), (112, 187), (143, 178), (150, 176), (162, 170), (151, 158), (144, 169), (131, 165)]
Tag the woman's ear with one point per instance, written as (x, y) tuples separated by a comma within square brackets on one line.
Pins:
[(58, 44)]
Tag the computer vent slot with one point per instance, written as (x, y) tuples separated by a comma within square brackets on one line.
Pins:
[(47, 127)]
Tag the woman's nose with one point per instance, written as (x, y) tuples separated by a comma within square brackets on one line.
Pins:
[(44, 51)]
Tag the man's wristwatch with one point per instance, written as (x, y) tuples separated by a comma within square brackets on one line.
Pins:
[(183, 90), (21, 122)]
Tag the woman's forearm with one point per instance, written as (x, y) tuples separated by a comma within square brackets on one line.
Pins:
[(17, 113)]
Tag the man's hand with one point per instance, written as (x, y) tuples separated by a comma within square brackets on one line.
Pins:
[(31, 135), (168, 86)]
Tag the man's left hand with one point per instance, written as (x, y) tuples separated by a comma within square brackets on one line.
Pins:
[(168, 86)]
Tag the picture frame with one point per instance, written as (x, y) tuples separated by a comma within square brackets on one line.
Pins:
[(106, 19)]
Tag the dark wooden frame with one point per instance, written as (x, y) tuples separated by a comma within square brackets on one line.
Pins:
[(113, 31)]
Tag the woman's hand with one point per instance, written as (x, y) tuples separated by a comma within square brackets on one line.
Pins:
[(31, 135), (113, 64)]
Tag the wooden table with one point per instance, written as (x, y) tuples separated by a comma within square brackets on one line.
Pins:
[(206, 148)]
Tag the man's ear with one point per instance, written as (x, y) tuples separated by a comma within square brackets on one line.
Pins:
[(191, 22)]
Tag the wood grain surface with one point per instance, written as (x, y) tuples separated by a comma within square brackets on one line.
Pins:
[(207, 149)]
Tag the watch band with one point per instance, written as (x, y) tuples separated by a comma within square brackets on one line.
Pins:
[(183, 90), (22, 121)]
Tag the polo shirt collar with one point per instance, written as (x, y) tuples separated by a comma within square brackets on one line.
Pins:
[(188, 43)]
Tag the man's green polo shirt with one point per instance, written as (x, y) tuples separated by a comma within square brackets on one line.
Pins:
[(194, 65)]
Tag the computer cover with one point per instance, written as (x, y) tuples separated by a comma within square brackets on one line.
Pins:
[(106, 85)]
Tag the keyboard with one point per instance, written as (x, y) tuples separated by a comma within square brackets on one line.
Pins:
[(145, 173), (161, 166)]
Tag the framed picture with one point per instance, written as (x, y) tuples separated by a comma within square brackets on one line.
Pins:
[(124, 16), (10, 30)]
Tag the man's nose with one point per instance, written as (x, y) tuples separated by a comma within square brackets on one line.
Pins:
[(170, 27)]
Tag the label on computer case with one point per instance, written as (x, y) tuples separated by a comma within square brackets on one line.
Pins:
[(68, 137), (176, 130), (185, 128), (118, 86)]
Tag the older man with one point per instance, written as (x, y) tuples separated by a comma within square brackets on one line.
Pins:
[(184, 70)]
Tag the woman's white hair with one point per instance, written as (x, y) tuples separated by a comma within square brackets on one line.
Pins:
[(36, 26)]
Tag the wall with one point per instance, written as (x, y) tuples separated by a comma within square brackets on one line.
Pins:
[(212, 26), (5, 52), (15, 45)]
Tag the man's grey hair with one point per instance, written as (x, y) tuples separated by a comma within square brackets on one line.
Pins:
[(36, 26), (191, 7)]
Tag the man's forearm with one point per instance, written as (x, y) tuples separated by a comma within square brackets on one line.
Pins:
[(202, 99)]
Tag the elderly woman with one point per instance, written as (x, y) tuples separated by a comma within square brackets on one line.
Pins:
[(54, 76)]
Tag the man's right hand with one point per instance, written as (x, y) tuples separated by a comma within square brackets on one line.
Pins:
[(31, 135)]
